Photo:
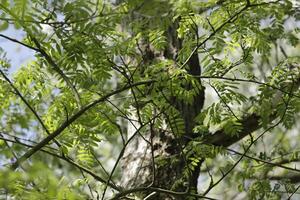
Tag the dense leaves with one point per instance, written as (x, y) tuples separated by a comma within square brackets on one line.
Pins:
[(108, 73)]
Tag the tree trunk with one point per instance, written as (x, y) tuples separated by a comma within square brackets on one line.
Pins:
[(156, 158)]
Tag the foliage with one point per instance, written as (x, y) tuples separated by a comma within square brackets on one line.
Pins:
[(103, 69)]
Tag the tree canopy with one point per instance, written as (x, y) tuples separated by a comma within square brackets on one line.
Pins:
[(151, 99)]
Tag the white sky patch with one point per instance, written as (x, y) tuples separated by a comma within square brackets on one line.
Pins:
[(17, 54), (47, 29)]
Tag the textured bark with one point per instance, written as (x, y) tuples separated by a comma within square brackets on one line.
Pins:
[(144, 164), (162, 163), (137, 166), (220, 138)]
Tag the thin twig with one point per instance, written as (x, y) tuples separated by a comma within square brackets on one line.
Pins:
[(98, 178), (66, 124)]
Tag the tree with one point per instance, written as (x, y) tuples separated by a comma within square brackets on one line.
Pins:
[(178, 99)]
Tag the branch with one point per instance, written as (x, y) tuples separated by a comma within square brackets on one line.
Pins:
[(60, 23), (64, 125), (273, 116), (28, 105), (220, 138), (137, 131), (229, 20), (56, 68), (248, 81), (160, 190), (273, 164), (40, 50), (49, 60), (98, 178), (248, 148), (250, 124), (19, 42), (292, 177), (233, 17)]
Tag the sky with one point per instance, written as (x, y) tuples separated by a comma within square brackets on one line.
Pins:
[(16, 53)]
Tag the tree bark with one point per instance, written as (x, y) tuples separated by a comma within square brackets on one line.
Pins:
[(156, 159)]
